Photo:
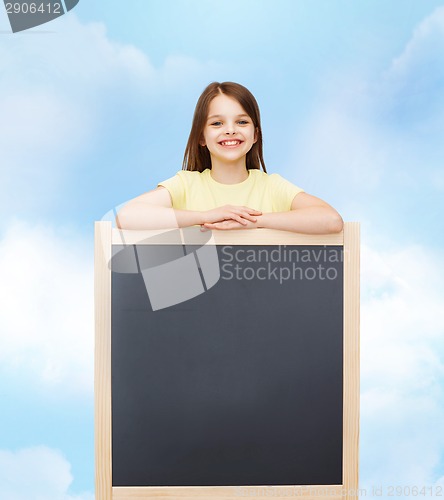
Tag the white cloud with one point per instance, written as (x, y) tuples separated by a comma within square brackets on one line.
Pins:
[(46, 292), (412, 90), (425, 48), (402, 366), (440, 482), (37, 473)]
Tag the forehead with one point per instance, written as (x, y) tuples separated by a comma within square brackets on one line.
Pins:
[(225, 105)]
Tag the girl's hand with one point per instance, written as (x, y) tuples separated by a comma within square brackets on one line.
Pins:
[(228, 224), (231, 213)]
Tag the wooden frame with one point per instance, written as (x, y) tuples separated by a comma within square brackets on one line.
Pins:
[(105, 236)]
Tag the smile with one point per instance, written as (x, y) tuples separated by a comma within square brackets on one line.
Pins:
[(230, 143)]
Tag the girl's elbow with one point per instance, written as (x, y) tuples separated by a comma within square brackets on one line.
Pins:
[(120, 219), (335, 224), (125, 216)]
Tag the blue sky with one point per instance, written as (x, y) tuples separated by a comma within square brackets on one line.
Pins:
[(95, 108)]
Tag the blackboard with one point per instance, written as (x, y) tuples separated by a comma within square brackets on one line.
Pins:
[(241, 385), (249, 388)]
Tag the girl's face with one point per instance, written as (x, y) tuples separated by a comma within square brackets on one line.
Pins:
[(229, 133)]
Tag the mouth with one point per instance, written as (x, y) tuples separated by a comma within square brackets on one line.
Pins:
[(230, 144)]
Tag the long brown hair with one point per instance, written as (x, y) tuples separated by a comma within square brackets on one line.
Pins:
[(198, 157)]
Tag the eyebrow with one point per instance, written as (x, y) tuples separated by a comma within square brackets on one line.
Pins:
[(221, 116)]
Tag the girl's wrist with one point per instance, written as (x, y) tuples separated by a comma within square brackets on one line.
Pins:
[(260, 221), (201, 219), (187, 218)]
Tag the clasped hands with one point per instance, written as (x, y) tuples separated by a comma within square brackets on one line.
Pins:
[(230, 217)]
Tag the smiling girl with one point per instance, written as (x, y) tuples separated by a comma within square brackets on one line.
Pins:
[(224, 183)]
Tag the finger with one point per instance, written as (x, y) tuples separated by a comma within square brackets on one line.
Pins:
[(227, 224), (241, 220), (233, 225), (235, 215), (222, 226), (252, 210), (249, 217), (241, 216)]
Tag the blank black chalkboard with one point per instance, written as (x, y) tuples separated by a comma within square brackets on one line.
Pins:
[(241, 385)]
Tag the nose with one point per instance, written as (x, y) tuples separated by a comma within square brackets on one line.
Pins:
[(230, 129)]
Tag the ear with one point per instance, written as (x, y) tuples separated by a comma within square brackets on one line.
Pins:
[(255, 136)]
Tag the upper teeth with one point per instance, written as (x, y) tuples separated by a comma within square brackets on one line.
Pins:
[(230, 143)]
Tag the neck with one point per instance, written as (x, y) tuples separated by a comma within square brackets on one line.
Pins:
[(229, 173)]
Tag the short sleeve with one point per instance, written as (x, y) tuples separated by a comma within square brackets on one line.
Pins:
[(283, 193), (177, 189)]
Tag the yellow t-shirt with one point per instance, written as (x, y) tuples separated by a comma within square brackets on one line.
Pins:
[(261, 191)]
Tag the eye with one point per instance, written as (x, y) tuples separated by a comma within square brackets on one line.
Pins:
[(216, 124), (243, 122)]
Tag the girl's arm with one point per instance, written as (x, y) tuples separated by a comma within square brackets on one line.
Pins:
[(308, 214), (153, 210)]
